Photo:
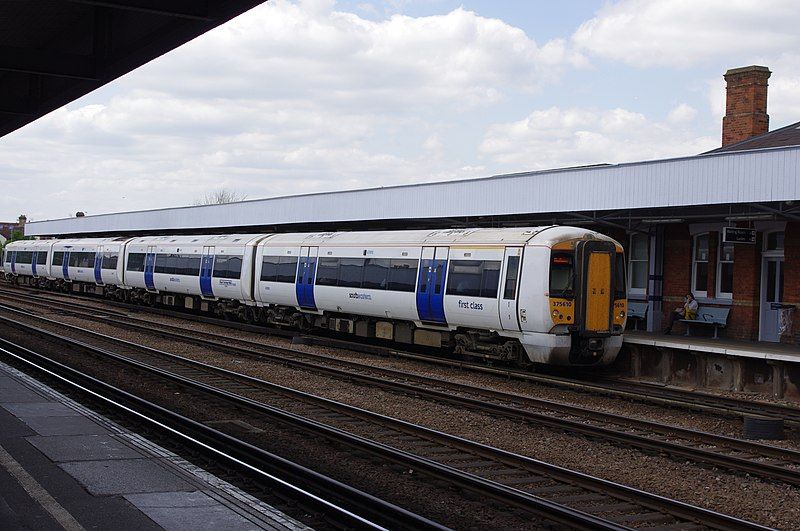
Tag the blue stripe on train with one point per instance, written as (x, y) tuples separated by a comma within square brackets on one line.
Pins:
[(149, 264), (65, 265), (98, 262), (13, 261), (206, 265)]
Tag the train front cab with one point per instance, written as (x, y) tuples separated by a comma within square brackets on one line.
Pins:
[(587, 297)]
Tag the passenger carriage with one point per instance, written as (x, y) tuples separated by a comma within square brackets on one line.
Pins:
[(28, 258), (89, 260), (204, 268)]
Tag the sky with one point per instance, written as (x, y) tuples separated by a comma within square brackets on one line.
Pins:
[(316, 95)]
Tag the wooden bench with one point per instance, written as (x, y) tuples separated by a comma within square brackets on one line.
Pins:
[(709, 316), (638, 312)]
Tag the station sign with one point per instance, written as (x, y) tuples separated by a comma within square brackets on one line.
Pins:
[(737, 235)]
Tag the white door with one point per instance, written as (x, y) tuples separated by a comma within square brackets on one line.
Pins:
[(512, 263), (771, 297)]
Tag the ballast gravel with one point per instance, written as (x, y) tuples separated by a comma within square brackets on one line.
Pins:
[(771, 504)]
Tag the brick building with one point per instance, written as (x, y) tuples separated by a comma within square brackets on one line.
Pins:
[(758, 280), (7, 228)]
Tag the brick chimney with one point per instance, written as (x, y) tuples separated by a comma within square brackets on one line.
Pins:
[(746, 104)]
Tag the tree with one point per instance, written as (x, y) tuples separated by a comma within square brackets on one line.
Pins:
[(221, 197)]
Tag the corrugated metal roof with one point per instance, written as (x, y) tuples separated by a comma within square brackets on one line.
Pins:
[(717, 178)]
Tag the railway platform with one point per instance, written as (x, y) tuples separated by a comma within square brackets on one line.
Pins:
[(723, 364), (63, 466)]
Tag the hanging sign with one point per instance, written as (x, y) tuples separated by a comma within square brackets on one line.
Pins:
[(737, 235)]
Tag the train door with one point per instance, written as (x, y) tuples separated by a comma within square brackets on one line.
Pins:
[(206, 267), (149, 266), (304, 286), (508, 292), (98, 265), (65, 264), (34, 256), (598, 258), (14, 262), (430, 288)]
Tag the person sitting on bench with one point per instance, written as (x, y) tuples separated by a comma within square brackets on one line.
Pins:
[(688, 311)]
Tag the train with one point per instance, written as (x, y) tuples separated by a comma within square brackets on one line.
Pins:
[(553, 295)]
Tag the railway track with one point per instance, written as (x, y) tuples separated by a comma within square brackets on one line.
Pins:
[(761, 460), (297, 485), (593, 384), (550, 492)]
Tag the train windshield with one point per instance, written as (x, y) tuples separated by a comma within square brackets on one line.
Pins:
[(562, 275), (620, 290)]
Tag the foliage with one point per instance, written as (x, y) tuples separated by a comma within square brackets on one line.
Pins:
[(221, 197)]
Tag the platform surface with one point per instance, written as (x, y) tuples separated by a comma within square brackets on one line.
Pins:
[(63, 466), (730, 347)]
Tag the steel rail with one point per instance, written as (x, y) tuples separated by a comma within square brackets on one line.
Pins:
[(310, 489), (727, 452), (652, 393), (506, 494)]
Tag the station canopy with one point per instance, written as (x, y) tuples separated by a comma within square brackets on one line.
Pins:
[(55, 51)]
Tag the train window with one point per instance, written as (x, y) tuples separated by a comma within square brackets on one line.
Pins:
[(620, 291), (490, 278), (81, 259), (465, 278), (165, 264), (41, 257), (512, 273), (328, 271), (24, 257), (135, 262), (350, 272), (562, 276), (437, 280), (376, 273), (110, 260), (227, 267), (269, 268), (423, 282), (474, 278), (58, 258), (287, 269)]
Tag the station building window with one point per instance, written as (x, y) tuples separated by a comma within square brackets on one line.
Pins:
[(700, 265), (638, 264), (725, 270)]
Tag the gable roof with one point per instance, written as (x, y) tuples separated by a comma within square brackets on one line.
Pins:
[(783, 137)]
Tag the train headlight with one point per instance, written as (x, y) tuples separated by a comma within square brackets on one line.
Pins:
[(555, 313), (621, 314)]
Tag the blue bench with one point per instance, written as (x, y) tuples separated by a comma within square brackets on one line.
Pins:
[(638, 312), (709, 316)]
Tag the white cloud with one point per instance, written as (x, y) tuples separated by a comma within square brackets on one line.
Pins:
[(681, 113), (287, 50), (556, 137), (687, 32), (288, 98)]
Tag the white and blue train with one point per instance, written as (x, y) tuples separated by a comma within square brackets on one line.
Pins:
[(551, 295)]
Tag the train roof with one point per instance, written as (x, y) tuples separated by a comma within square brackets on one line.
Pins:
[(473, 236), (198, 240)]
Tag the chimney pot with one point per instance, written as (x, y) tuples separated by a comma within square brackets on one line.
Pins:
[(746, 104)]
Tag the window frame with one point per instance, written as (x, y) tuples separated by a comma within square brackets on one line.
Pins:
[(718, 281), (692, 286), (630, 261)]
